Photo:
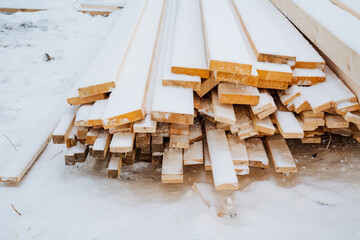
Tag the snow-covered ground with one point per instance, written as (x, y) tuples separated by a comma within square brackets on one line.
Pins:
[(321, 201)]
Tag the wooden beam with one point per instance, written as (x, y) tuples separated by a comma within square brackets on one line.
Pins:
[(122, 142), (114, 168), (64, 126), (238, 150), (101, 145), (172, 166), (351, 7), (207, 85), (222, 112), (288, 125), (256, 152), (234, 93), (194, 154)]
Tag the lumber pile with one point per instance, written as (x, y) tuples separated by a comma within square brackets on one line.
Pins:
[(195, 82)]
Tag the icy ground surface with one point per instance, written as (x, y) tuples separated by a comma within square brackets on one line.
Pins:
[(321, 201)]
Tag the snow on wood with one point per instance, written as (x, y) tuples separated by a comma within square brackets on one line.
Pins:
[(317, 98), (207, 84), (274, 72), (323, 23), (288, 125), (194, 154), (207, 161), (64, 126), (308, 77), (256, 152), (234, 93), (77, 153), (267, 112), (173, 79), (353, 117), (91, 136), (104, 71), (351, 6), (264, 125), (306, 55), (171, 104), (242, 119), (226, 49), (82, 132), (179, 141), (238, 150), (127, 102), (179, 129), (265, 102), (299, 104), (189, 53), (147, 125), (195, 132), (103, 5), (172, 166), (345, 107), (114, 167), (96, 113), (122, 128), (224, 174), (272, 48), (122, 142), (332, 121), (70, 139), (222, 112), (75, 99), (101, 144), (206, 109), (289, 94), (241, 169), (247, 133), (82, 115), (280, 154), (208, 196)]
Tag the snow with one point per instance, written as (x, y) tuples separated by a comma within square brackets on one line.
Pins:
[(265, 102), (274, 67), (256, 151), (78, 148), (122, 140), (237, 149), (222, 112), (114, 163), (83, 114), (194, 154), (224, 41), (334, 19), (98, 109), (101, 140), (128, 96), (280, 152), (287, 122), (172, 161), (189, 43), (302, 72), (65, 121), (265, 37)]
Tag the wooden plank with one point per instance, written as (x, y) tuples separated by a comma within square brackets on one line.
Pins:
[(317, 98), (288, 125), (70, 139), (75, 154), (280, 154), (247, 133), (64, 126), (189, 54), (332, 121), (350, 6), (147, 125), (102, 5), (122, 128), (267, 112), (256, 152), (238, 150), (91, 136), (111, 56), (97, 110), (207, 84), (242, 119), (75, 99), (163, 129), (82, 115), (179, 129), (179, 141), (82, 132), (270, 84), (157, 144), (141, 139), (311, 140), (122, 142), (233, 93), (345, 107), (207, 161), (222, 112), (195, 132), (206, 109), (224, 174), (241, 169), (353, 117), (265, 102), (274, 71), (251, 80), (311, 114), (263, 125), (331, 38), (101, 145), (308, 77), (256, 24), (127, 101), (194, 154), (226, 49), (172, 166), (114, 168), (289, 94), (170, 104)]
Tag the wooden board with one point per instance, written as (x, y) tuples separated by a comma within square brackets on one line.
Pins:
[(234, 93), (267, 112), (288, 125), (222, 112), (247, 79), (179, 141), (101, 145), (257, 25), (122, 142), (242, 119), (238, 150), (127, 101), (195, 132), (64, 126), (147, 125), (308, 77), (280, 154), (265, 102), (247, 133), (77, 100), (172, 166), (226, 49), (207, 85), (333, 44), (224, 174), (189, 53), (332, 121), (207, 161), (122, 128), (348, 6), (272, 84), (289, 94), (311, 140), (263, 125), (114, 168), (241, 169), (91, 136), (353, 117), (256, 152), (194, 154), (179, 129)]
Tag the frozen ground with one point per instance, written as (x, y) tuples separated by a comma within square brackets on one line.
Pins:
[(61, 202)]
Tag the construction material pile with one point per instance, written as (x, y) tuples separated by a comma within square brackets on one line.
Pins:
[(204, 82)]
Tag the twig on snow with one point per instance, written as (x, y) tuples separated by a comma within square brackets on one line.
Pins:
[(15, 210)]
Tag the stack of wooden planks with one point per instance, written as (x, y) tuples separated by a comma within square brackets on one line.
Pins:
[(195, 82)]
